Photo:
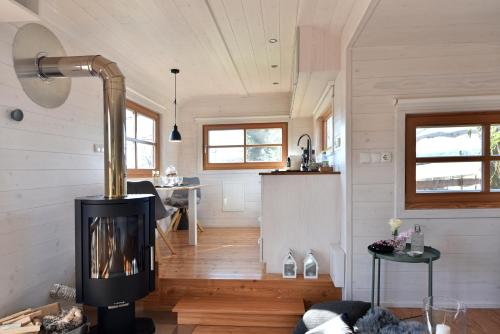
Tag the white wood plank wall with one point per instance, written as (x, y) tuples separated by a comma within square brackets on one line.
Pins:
[(45, 162), (469, 267), (210, 208)]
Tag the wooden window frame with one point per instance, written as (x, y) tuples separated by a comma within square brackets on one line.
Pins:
[(324, 125), (245, 164), (139, 109), (450, 200)]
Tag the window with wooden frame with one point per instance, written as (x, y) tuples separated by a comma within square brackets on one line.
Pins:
[(245, 146), (142, 140), (452, 160), (327, 129)]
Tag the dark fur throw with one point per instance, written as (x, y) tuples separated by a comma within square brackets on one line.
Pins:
[(380, 321)]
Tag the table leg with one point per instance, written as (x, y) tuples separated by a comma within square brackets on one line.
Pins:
[(192, 217), (373, 281), (378, 284), (430, 279)]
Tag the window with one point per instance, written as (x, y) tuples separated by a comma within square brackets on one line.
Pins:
[(327, 125), (143, 140), (245, 146), (452, 160)]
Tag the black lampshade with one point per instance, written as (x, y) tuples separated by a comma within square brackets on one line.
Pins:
[(175, 135)]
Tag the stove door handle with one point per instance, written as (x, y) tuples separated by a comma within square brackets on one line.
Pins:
[(152, 258)]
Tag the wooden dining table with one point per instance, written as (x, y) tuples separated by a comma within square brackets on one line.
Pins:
[(166, 191)]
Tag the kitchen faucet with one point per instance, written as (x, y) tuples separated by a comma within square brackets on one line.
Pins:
[(307, 153)]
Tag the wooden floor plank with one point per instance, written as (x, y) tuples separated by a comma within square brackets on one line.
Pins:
[(240, 306)]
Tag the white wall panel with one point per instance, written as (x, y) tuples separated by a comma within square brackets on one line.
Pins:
[(45, 162), (468, 268)]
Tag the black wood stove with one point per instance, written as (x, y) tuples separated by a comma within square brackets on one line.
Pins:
[(115, 259), (114, 232)]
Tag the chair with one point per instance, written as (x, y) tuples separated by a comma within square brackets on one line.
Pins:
[(161, 211), (179, 199)]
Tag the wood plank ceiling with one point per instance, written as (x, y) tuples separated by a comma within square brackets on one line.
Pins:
[(221, 46), (423, 22)]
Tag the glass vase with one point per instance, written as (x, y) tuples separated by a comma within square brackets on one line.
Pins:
[(399, 246), (444, 316)]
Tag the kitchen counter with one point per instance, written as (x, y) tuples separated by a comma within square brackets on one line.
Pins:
[(282, 172), (299, 212)]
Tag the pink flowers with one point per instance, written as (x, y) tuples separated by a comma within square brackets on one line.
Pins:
[(404, 235)]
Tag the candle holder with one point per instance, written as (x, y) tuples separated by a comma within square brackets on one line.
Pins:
[(445, 316)]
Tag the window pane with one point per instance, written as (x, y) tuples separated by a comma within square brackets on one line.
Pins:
[(130, 123), (449, 141), (130, 154), (225, 137), (264, 154), (329, 132), (448, 177), (264, 136), (223, 155), (495, 175), (495, 139), (145, 156), (145, 128)]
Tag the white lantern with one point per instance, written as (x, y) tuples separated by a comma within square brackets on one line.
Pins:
[(289, 266), (311, 268)]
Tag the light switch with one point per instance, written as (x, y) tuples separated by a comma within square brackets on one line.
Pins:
[(364, 158), (375, 157)]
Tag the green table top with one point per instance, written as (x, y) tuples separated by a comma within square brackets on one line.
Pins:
[(430, 253)]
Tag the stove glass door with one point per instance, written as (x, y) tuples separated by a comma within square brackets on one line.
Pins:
[(116, 246)]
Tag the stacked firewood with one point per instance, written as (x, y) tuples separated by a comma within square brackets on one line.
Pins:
[(45, 319), (26, 321)]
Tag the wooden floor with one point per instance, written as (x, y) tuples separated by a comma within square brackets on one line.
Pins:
[(479, 321), (220, 254), (226, 263)]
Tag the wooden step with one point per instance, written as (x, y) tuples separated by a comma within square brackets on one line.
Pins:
[(213, 311), (240, 330), (170, 291)]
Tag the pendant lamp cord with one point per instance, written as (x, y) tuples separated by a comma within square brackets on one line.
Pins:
[(175, 98)]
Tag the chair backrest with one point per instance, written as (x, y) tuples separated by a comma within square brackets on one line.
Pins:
[(146, 187), (183, 194)]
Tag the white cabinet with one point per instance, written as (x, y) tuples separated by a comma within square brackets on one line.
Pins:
[(299, 212)]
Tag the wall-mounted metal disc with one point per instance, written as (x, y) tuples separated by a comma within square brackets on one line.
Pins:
[(33, 41)]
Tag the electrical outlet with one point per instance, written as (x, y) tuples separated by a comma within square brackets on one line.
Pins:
[(385, 157)]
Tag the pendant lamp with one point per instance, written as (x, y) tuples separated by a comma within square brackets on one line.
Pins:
[(175, 135)]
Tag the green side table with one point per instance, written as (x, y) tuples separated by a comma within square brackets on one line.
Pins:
[(430, 255)]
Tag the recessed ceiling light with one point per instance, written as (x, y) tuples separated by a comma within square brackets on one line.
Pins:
[(273, 40), (274, 66), (276, 83)]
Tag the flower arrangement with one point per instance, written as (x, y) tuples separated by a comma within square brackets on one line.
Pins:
[(395, 224)]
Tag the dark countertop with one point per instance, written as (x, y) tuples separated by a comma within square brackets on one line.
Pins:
[(298, 173)]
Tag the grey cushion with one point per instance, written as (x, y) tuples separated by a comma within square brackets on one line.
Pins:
[(353, 310), (146, 187), (179, 198)]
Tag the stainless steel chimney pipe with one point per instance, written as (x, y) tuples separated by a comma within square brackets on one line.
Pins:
[(115, 167)]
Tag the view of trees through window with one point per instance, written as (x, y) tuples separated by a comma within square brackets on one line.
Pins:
[(455, 153), (141, 140), (244, 146)]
